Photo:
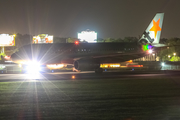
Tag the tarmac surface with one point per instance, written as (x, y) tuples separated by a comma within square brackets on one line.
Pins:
[(87, 75), (130, 95)]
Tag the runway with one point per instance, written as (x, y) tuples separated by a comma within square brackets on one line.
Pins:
[(86, 75), (143, 94)]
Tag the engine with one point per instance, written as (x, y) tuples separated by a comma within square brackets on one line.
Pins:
[(86, 65)]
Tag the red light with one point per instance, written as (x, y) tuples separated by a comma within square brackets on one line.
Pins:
[(76, 42), (7, 57)]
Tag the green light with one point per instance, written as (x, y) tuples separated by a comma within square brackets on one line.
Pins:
[(146, 47)]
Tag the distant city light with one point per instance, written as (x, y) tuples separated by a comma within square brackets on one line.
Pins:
[(88, 36)]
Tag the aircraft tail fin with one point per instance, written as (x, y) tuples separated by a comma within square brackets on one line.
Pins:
[(153, 32)]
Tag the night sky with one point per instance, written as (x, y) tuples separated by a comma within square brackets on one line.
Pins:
[(109, 18)]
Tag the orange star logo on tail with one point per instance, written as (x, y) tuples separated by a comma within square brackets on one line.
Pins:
[(155, 27)]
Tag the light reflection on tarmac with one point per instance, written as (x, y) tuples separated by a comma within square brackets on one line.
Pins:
[(78, 75)]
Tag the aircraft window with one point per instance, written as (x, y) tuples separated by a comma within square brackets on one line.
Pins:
[(78, 49), (81, 49), (124, 48), (84, 49)]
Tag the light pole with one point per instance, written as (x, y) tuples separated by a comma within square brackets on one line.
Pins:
[(154, 57), (169, 56), (174, 56)]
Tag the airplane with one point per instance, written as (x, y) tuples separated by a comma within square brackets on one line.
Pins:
[(89, 56)]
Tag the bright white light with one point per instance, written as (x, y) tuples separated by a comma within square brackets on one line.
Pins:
[(162, 64), (6, 40), (20, 65), (8, 61), (89, 36), (33, 67), (2, 67), (150, 51)]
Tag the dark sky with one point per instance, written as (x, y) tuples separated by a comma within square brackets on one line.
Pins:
[(109, 18)]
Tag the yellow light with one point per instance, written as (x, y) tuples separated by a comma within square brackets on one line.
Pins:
[(169, 56), (174, 53), (130, 61), (110, 65), (114, 65), (54, 66), (20, 65), (73, 77)]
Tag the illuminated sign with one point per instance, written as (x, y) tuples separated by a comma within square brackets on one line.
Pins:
[(43, 38), (88, 36), (7, 40)]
